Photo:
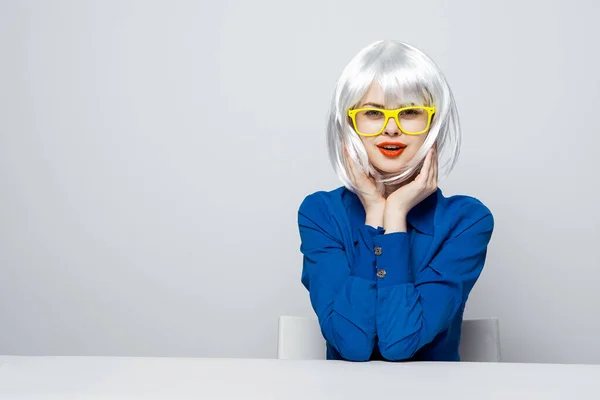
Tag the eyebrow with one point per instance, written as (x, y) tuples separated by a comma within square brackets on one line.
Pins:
[(382, 106), (373, 104)]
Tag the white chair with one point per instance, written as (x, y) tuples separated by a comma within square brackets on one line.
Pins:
[(480, 340), (300, 338)]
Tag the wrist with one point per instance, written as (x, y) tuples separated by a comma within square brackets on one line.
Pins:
[(394, 221), (374, 215)]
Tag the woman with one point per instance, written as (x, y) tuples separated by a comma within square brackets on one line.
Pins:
[(387, 259)]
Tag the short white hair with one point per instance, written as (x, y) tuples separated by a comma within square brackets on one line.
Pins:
[(406, 75)]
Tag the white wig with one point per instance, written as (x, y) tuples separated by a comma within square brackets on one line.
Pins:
[(407, 76)]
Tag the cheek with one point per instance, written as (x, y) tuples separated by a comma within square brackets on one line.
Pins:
[(366, 140), (416, 144), (371, 149), (369, 144), (419, 140)]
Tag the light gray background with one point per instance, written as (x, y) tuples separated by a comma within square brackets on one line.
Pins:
[(153, 155)]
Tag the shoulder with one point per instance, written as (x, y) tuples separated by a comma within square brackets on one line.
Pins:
[(322, 204), (460, 213), (321, 217)]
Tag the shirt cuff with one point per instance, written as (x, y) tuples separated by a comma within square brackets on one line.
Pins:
[(393, 261), (364, 260)]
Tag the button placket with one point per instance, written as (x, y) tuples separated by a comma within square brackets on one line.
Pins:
[(380, 272)]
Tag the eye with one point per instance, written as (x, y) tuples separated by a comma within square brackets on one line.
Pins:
[(373, 113), (413, 111)]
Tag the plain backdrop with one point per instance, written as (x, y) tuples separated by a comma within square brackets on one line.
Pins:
[(153, 155)]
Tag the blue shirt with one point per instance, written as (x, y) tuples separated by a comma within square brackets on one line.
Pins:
[(396, 296)]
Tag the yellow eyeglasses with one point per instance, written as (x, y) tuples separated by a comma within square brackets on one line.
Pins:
[(371, 121)]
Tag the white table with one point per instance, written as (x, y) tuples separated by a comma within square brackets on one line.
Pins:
[(195, 378)]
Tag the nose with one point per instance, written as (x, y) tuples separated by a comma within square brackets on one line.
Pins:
[(392, 128)]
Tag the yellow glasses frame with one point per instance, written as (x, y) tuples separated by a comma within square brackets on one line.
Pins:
[(389, 114)]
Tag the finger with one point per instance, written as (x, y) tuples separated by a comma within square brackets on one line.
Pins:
[(345, 155), (430, 177), (349, 164), (359, 177), (434, 169), (424, 175)]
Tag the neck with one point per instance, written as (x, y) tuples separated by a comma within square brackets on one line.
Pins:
[(391, 188)]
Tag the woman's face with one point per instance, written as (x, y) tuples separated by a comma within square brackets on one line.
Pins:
[(388, 161)]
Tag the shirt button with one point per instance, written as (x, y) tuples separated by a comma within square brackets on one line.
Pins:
[(377, 251), (381, 273)]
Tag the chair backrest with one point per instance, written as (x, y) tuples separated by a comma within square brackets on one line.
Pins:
[(480, 340), (300, 338)]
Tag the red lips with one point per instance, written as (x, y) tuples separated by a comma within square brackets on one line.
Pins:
[(391, 149)]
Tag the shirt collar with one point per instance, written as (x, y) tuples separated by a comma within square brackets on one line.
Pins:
[(422, 216)]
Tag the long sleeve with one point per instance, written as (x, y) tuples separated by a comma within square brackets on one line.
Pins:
[(413, 310), (342, 293)]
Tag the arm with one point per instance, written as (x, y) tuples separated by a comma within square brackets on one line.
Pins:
[(412, 311), (343, 294)]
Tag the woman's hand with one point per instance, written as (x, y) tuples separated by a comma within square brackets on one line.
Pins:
[(373, 202), (401, 201)]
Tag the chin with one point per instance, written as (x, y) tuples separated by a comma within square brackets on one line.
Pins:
[(390, 167)]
